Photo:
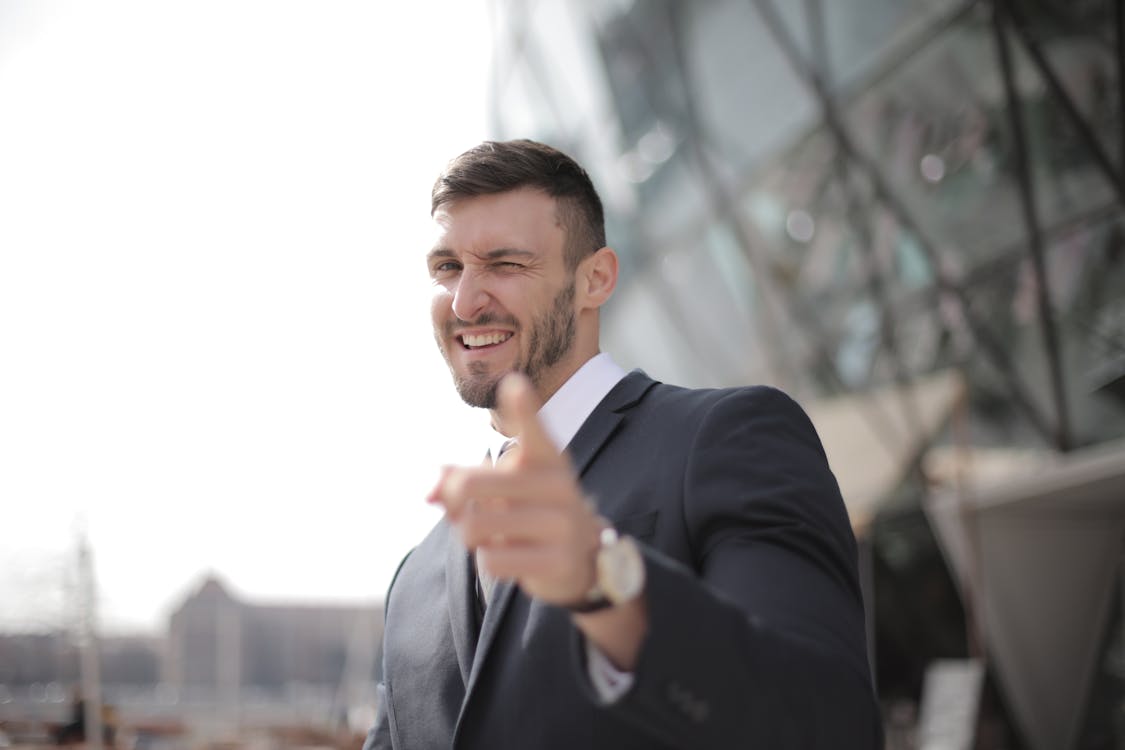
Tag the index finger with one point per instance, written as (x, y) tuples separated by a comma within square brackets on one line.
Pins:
[(519, 408)]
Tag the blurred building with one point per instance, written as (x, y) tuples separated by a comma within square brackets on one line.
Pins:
[(909, 214), (224, 664), (225, 650), (44, 658)]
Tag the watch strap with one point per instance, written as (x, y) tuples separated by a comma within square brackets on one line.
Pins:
[(595, 599), (597, 603)]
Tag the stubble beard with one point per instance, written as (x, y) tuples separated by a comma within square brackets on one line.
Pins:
[(552, 337)]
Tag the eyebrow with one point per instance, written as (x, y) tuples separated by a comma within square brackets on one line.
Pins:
[(500, 252), (440, 252)]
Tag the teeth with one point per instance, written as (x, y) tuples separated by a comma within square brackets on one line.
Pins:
[(485, 339)]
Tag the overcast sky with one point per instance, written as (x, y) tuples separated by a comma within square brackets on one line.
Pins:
[(214, 335)]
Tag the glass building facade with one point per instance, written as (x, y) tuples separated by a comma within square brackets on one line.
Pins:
[(863, 197)]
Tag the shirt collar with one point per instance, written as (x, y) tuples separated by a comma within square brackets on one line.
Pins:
[(574, 401)]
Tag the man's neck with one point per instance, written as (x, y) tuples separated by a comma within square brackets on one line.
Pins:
[(544, 393)]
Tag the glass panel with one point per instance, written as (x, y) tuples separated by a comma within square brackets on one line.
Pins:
[(648, 332), (1086, 295), (933, 130), (1086, 268), (939, 130), (862, 33), (743, 117), (695, 287), (673, 198), (642, 73), (1087, 73)]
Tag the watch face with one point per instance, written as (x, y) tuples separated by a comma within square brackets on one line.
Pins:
[(621, 570)]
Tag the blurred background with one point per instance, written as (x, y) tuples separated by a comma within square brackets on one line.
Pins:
[(909, 214)]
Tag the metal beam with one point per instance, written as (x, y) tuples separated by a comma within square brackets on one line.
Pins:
[(1031, 221)]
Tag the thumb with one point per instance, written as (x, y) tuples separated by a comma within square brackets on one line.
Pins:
[(519, 409)]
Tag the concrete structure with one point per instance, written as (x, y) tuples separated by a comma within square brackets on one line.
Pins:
[(1036, 547)]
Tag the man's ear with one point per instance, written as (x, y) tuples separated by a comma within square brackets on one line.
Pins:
[(596, 278)]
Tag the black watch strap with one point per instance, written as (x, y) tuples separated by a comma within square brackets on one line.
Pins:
[(589, 605)]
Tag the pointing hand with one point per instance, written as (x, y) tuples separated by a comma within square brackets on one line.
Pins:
[(527, 517)]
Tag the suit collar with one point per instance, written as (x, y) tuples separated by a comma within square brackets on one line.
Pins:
[(604, 420), (576, 399)]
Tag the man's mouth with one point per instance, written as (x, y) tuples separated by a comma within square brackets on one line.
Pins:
[(479, 341)]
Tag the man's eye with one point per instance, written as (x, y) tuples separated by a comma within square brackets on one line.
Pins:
[(508, 265), (447, 267)]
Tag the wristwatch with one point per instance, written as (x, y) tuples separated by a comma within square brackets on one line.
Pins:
[(619, 573)]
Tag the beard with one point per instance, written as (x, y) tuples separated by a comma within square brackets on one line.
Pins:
[(552, 336)]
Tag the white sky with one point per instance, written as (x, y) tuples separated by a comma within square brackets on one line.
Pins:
[(214, 332)]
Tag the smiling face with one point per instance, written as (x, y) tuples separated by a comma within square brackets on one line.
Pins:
[(504, 298)]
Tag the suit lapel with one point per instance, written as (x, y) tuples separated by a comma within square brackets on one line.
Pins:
[(502, 597), (460, 593), (462, 596)]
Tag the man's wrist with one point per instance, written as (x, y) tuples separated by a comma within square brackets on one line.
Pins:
[(619, 574), (617, 632)]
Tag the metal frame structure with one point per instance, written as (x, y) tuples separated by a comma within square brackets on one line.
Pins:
[(1052, 420), (860, 195)]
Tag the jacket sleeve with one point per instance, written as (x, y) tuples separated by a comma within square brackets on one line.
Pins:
[(761, 641), (379, 738)]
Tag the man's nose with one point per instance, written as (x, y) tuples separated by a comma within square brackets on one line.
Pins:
[(471, 296)]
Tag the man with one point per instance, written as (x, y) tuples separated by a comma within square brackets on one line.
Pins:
[(683, 575)]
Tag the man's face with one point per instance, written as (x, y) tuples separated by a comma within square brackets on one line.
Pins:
[(503, 297)]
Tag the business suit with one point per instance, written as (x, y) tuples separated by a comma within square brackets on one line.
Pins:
[(727, 486)]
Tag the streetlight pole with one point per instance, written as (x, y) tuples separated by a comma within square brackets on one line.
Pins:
[(89, 666)]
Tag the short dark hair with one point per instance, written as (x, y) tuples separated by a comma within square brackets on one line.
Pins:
[(499, 166)]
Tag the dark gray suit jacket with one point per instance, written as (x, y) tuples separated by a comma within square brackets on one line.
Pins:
[(756, 635)]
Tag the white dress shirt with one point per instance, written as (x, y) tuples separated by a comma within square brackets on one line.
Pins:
[(562, 416)]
